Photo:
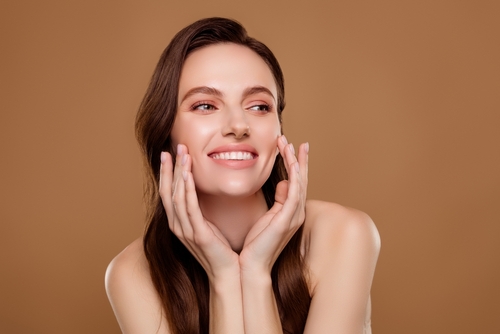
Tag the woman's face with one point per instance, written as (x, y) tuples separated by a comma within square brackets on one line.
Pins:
[(228, 120)]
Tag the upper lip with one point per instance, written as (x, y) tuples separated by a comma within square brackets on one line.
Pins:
[(234, 148)]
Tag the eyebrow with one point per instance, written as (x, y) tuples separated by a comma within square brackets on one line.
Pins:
[(258, 89), (202, 90), (215, 92)]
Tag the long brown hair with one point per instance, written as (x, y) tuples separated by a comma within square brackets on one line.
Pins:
[(180, 280)]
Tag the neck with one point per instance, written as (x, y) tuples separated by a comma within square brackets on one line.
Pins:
[(234, 217)]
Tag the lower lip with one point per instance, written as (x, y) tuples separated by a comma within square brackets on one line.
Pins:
[(236, 164)]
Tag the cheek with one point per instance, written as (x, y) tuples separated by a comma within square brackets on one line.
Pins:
[(268, 144), (267, 133), (176, 133), (193, 132)]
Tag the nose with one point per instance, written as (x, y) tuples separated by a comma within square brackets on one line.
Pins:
[(236, 124)]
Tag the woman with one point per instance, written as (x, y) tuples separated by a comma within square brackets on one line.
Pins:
[(232, 245)]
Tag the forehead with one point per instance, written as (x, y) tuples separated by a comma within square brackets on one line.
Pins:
[(228, 67)]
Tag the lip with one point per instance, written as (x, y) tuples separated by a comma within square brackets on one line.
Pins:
[(235, 164)]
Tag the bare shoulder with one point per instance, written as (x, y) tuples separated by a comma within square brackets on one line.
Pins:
[(332, 233), (128, 261), (330, 220), (132, 294), (341, 247)]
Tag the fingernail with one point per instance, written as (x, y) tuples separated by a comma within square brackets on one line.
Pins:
[(283, 139), (292, 149), (307, 147), (184, 159), (179, 149), (184, 175), (297, 167), (163, 157)]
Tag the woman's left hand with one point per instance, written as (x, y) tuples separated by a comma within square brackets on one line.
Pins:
[(275, 228)]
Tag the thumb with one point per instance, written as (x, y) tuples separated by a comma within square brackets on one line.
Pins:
[(281, 192)]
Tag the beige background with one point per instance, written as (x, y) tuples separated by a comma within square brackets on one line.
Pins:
[(398, 99)]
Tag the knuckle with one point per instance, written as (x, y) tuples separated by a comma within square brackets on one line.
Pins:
[(176, 197), (200, 239), (175, 202), (189, 212)]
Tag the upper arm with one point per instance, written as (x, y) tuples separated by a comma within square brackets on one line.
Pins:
[(132, 295), (343, 251)]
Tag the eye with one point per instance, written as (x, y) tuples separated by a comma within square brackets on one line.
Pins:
[(261, 108), (203, 107)]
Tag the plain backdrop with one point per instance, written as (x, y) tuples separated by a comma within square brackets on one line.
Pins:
[(399, 100)]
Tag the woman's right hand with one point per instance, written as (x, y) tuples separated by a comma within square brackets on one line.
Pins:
[(202, 238)]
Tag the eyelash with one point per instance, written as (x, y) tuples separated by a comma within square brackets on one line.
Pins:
[(264, 108), (197, 106)]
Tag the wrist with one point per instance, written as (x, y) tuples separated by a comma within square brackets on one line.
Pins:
[(250, 266), (255, 277), (220, 282)]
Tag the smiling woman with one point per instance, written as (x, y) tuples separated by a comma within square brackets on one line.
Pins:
[(227, 97), (232, 245)]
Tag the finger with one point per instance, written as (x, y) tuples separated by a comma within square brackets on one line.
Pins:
[(294, 184), (177, 173), (201, 231), (165, 182), (180, 160), (281, 191), (179, 204), (282, 142), (287, 151), (293, 194), (290, 161), (302, 158)]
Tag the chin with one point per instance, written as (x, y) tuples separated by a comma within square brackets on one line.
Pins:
[(230, 188)]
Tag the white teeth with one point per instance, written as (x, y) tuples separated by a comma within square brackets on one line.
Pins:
[(233, 156)]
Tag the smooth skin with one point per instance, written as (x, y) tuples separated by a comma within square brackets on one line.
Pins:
[(202, 198)]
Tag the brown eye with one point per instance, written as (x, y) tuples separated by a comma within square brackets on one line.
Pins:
[(204, 106), (262, 108)]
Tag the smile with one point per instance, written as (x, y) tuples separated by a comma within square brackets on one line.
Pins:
[(232, 156)]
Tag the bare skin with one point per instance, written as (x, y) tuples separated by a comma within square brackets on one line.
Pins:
[(227, 96), (340, 246)]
